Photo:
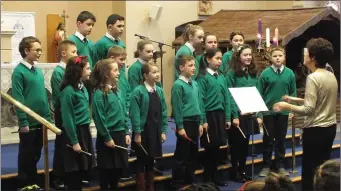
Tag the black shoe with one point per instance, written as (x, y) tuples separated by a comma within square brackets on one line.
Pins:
[(221, 183), (58, 185), (245, 176)]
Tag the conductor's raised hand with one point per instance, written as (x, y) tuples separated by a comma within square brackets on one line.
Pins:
[(201, 130), (285, 98), (137, 139), (236, 122), (279, 106), (77, 148), (128, 140), (110, 143)]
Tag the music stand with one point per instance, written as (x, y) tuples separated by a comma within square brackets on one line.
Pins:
[(249, 107)]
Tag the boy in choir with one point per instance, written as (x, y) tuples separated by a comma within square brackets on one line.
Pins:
[(148, 114), (66, 50), (115, 28), (187, 112), (216, 112), (111, 119), (193, 36), (144, 54), (274, 82), (237, 39), (76, 123), (85, 47), (29, 89)]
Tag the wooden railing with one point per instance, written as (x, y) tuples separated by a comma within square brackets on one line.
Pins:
[(46, 125)]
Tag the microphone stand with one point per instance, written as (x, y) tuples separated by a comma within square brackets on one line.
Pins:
[(160, 45)]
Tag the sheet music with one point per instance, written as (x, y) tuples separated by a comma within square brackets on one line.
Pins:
[(248, 100)]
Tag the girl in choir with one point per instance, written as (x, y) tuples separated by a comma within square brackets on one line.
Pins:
[(242, 73), (144, 54), (216, 111), (237, 39), (210, 41), (74, 101), (111, 120), (148, 115), (193, 36)]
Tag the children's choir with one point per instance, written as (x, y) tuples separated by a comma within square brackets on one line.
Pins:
[(133, 110)]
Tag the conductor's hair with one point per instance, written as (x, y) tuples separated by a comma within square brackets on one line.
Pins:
[(116, 51), (236, 65), (203, 64), (276, 182), (256, 185), (73, 71), (101, 73), (327, 176), (234, 33), (201, 187), (321, 50), (63, 46), (190, 29), (26, 43), (146, 69), (140, 47), (85, 15), (112, 19)]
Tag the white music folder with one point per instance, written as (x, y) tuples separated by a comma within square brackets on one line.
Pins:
[(248, 100)]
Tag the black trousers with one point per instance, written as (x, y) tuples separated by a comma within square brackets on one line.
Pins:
[(144, 164), (89, 88), (74, 180), (58, 162), (186, 154), (317, 147), (211, 163), (276, 126), (109, 178), (239, 147), (30, 146)]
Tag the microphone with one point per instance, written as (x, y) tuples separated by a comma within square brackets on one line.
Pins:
[(141, 37)]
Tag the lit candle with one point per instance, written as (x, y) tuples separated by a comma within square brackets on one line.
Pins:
[(267, 35), (276, 36)]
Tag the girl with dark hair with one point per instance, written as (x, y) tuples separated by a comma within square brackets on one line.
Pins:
[(216, 111), (76, 120), (236, 39), (210, 41), (148, 115), (242, 73)]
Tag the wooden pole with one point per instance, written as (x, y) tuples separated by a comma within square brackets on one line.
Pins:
[(46, 159)]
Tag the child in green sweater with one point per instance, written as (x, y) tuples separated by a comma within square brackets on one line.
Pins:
[(115, 28), (187, 112), (275, 81), (193, 37), (236, 39), (148, 114), (209, 41), (66, 50), (111, 119), (76, 120), (28, 88)]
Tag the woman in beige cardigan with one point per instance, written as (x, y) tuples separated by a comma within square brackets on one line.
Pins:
[(319, 107)]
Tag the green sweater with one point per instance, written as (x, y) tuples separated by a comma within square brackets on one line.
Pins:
[(103, 45), (225, 62), (186, 102), (28, 88), (56, 79), (184, 51), (109, 113), (125, 90), (75, 110), (235, 81), (85, 49), (135, 77), (273, 86), (215, 94), (139, 108)]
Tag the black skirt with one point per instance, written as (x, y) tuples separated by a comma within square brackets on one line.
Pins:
[(74, 161), (216, 129), (109, 158), (245, 124), (151, 135), (58, 162)]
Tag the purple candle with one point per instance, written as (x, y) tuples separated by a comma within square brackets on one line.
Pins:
[(260, 27)]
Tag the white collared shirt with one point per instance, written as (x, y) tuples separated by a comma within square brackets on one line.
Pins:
[(150, 88), (28, 65), (140, 60), (80, 85), (80, 36), (276, 68), (62, 64), (210, 71), (190, 46), (183, 78), (111, 37)]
